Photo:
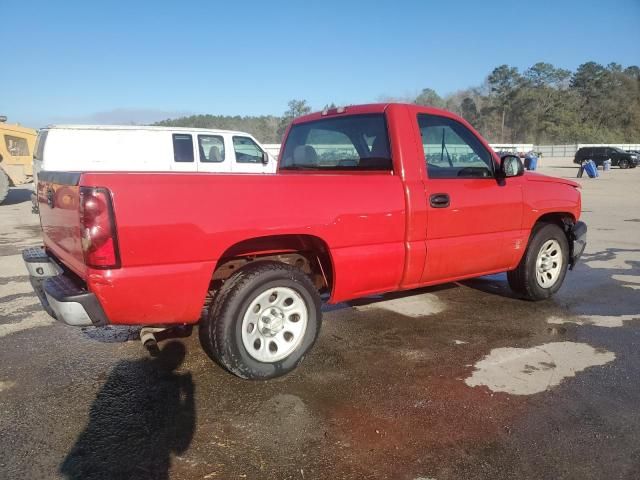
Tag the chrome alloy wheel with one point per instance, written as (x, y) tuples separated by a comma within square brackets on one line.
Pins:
[(274, 324), (549, 264)]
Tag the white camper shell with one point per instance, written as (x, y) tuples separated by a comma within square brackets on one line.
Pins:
[(93, 148)]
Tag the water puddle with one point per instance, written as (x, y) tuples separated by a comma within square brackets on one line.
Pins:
[(526, 371)]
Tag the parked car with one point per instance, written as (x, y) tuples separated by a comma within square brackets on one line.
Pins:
[(16, 148), (367, 199), (618, 157)]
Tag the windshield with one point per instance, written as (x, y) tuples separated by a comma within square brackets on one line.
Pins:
[(355, 142)]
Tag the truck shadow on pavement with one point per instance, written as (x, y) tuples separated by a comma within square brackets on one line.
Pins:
[(144, 412)]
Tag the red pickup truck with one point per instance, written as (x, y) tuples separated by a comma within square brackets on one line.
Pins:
[(367, 199)]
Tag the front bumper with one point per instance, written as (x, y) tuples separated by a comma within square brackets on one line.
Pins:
[(578, 242), (61, 294)]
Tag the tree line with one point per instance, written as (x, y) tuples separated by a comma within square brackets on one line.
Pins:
[(541, 105)]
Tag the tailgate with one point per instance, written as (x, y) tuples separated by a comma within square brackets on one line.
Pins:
[(58, 201)]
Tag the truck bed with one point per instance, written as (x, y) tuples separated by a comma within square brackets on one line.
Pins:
[(174, 227)]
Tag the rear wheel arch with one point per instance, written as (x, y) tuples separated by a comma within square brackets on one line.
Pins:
[(309, 253)]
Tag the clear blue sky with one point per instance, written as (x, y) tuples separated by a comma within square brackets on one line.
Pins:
[(70, 61)]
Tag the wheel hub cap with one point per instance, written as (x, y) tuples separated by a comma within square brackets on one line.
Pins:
[(271, 321), (549, 264), (274, 324)]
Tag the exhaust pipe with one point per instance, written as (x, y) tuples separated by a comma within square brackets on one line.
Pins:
[(150, 336)]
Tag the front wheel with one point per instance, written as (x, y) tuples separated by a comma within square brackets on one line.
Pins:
[(544, 265), (263, 321), (623, 163)]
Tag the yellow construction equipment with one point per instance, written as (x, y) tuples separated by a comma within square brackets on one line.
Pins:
[(16, 156)]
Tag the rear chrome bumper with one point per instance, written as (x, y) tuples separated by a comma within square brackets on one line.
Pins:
[(578, 237), (62, 295)]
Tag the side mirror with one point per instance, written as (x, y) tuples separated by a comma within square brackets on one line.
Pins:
[(511, 166), (265, 158)]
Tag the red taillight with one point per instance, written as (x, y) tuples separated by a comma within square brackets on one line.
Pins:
[(98, 228)]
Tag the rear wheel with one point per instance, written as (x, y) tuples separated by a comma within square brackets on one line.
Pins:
[(263, 321), (4, 185), (623, 163), (544, 265)]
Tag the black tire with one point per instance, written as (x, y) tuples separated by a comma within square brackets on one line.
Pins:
[(523, 279), (624, 163), (221, 329), (4, 185)]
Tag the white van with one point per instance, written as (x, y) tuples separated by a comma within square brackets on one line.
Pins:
[(92, 148)]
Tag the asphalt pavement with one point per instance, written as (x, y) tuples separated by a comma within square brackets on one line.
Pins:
[(459, 381)]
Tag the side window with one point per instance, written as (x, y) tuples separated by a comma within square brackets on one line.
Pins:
[(247, 151), (182, 147), (451, 150), (16, 146), (211, 148)]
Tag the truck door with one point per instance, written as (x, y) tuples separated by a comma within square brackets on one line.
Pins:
[(473, 221), (213, 154)]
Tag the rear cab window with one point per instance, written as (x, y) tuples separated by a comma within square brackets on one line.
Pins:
[(354, 142), (182, 147)]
